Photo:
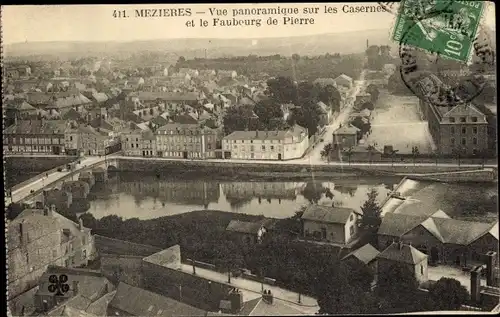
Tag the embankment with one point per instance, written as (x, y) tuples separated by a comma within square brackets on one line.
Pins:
[(270, 171)]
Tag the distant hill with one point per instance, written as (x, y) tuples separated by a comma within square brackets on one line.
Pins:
[(344, 43)]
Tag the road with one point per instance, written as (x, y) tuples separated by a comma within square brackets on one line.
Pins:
[(307, 304), (314, 157), (40, 183)]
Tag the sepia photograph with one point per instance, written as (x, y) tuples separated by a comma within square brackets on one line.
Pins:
[(270, 159)]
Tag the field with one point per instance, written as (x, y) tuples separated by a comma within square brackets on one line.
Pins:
[(396, 121)]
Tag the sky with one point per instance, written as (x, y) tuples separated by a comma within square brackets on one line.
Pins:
[(22, 23)]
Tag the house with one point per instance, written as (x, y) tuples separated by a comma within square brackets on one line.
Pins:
[(323, 82), (227, 73), (132, 142), (18, 71), (266, 145), (343, 80), (186, 141), (90, 140), (84, 288), (404, 255), (78, 189), (445, 240), (38, 238), (460, 129), (361, 99), (246, 232), (345, 137), (133, 301), (35, 136), (330, 224), (326, 116), (365, 255)]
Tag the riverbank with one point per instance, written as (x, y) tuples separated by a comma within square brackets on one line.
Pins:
[(272, 171)]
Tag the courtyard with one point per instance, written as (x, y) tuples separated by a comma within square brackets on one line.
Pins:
[(437, 272), (396, 121)]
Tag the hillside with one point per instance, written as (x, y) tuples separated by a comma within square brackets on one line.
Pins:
[(344, 43)]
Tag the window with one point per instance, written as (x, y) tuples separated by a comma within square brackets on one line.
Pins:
[(464, 130), (452, 141), (463, 119), (474, 119), (263, 147), (464, 141), (84, 254), (421, 269), (474, 141), (272, 147), (209, 146), (474, 130), (54, 254), (71, 138), (251, 141), (452, 130), (452, 119)]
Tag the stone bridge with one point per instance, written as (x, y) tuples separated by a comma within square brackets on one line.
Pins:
[(29, 191)]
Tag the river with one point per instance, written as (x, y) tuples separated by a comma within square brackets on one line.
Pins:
[(129, 195), (149, 196)]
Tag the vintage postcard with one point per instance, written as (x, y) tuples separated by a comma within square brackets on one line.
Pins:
[(268, 159)]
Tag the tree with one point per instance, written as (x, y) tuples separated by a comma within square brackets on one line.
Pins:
[(393, 156), (349, 152), (339, 291), (373, 91), (327, 150), (314, 191), (282, 90), (397, 288), (370, 219), (415, 153), (269, 113), (448, 294), (457, 152), (295, 57), (239, 119)]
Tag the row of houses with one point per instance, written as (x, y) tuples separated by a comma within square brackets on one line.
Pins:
[(198, 141)]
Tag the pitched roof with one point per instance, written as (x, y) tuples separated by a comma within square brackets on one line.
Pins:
[(243, 226), (447, 230), (347, 129), (327, 214), (403, 253), (68, 101), (37, 127), (140, 302), (325, 82), (167, 96), (465, 110), (365, 254), (295, 131), (20, 105), (170, 257), (344, 77), (184, 119)]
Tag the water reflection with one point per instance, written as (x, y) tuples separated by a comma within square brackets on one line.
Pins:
[(150, 196)]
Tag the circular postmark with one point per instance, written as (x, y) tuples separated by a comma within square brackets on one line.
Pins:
[(416, 9), (435, 53)]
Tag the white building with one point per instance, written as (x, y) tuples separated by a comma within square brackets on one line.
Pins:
[(266, 145)]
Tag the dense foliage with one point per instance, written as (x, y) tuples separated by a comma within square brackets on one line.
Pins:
[(300, 67)]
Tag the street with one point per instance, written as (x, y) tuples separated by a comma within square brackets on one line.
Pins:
[(314, 156)]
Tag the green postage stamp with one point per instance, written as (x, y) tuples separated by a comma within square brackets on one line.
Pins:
[(447, 28)]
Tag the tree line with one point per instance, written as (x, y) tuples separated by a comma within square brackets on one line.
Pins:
[(267, 114)]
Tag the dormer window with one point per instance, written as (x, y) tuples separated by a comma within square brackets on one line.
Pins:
[(452, 119), (463, 119), (474, 119)]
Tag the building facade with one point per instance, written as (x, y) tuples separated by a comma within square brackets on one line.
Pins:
[(458, 130), (186, 141), (330, 224), (266, 145), (38, 238), (35, 136)]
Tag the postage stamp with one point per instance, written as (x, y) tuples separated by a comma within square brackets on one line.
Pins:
[(416, 8), (449, 32)]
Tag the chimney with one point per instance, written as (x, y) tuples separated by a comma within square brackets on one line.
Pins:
[(46, 211), (236, 299), (52, 209), (80, 224), (267, 297), (475, 284), (75, 288), (194, 267), (491, 263), (400, 243)]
